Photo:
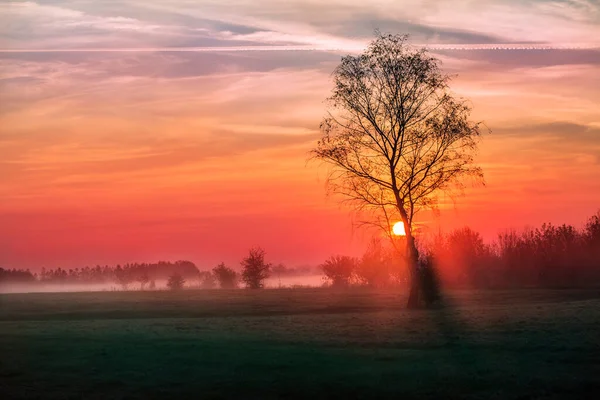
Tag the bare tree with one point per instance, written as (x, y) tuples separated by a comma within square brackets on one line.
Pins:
[(395, 137)]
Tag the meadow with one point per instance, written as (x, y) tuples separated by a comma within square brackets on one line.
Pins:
[(298, 343)]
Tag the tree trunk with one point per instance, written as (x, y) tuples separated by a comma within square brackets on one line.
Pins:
[(424, 284), (415, 295)]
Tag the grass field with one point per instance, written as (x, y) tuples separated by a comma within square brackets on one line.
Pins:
[(299, 343)]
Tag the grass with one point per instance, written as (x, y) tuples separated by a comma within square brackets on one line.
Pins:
[(300, 343)]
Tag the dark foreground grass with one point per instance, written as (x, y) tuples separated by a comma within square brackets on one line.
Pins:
[(304, 343)]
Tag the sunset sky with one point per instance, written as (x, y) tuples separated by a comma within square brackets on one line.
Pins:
[(146, 130)]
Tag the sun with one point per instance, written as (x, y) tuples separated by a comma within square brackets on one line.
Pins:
[(398, 229)]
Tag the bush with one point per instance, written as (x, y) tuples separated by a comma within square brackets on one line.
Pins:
[(227, 277), (375, 266), (339, 270), (207, 280)]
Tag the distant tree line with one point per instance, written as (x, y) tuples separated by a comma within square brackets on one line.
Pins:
[(547, 256), (144, 275), (16, 276)]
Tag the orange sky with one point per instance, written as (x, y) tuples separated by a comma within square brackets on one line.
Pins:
[(136, 132)]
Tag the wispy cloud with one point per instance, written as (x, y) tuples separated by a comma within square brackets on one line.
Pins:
[(343, 25)]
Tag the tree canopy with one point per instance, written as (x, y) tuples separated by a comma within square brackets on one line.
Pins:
[(395, 136)]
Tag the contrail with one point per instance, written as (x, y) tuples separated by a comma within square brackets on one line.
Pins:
[(515, 46), (225, 49), (166, 49)]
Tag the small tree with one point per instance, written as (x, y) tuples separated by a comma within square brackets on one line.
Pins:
[(591, 235), (279, 270), (123, 277), (175, 282), (143, 280), (339, 270), (255, 269), (227, 277), (461, 257)]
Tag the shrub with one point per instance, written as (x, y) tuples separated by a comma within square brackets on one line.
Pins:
[(227, 277), (339, 270), (207, 280), (374, 267)]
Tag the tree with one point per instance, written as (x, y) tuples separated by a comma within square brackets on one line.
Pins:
[(227, 277), (207, 280), (278, 270), (462, 258), (339, 270), (591, 235), (395, 138), (123, 277), (374, 267), (255, 269), (143, 280), (175, 282)]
